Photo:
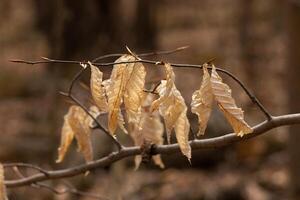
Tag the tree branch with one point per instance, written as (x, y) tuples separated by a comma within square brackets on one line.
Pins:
[(216, 142), (143, 54)]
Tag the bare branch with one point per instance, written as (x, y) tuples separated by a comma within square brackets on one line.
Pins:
[(25, 165), (143, 54), (160, 149)]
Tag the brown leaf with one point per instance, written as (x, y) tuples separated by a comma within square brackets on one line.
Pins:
[(120, 118), (202, 101), (131, 74), (3, 195), (226, 103), (182, 129), (150, 130), (97, 89), (116, 91), (170, 78), (173, 109), (134, 92), (79, 122), (67, 136)]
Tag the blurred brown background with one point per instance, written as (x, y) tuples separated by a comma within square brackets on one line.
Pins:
[(259, 41)]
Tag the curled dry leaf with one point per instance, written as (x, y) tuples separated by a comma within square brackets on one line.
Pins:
[(226, 103), (67, 136), (173, 109), (182, 129), (170, 78), (115, 92), (134, 92), (3, 195), (120, 118), (150, 130), (126, 82), (97, 89), (76, 124), (202, 101)]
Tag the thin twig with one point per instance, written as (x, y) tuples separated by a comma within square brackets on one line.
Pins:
[(215, 142), (25, 165), (143, 54)]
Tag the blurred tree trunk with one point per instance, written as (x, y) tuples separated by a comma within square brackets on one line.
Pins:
[(248, 40), (293, 27), (145, 24)]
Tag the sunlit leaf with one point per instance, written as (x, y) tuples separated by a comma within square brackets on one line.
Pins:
[(170, 78), (97, 89), (173, 109), (79, 122), (134, 91), (202, 101), (182, 128), (120, 119), (67, 136), (116, 91), (150, 130), (227, 105)]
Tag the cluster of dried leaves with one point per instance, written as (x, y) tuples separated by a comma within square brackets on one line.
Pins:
[(124, 90)]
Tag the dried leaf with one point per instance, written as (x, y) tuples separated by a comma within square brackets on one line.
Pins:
[(170, 78), (97, 89), (226, 103), (119, 78), (67, 136), (120, 118), (115, 93), (134, 92), (182, 129), (121, 122), (150, 130), (126, 84), (173, 109), (79, 122), (3, 195), (202, 101)]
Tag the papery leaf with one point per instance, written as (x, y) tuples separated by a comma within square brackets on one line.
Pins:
[(119, 78), (170, 78), (182, 129), (79, 122), (226, 103), (115, 92), (174, 110), (67, 136), (202, 101), (134, 91), (97, 89), (171, 107), (3, 195), (120, 118), (121, 122), (150, 130)]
